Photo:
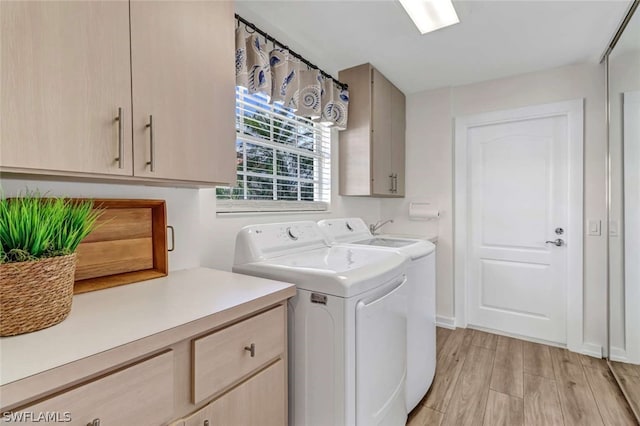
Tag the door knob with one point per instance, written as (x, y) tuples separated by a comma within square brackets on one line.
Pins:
[(559, 242)]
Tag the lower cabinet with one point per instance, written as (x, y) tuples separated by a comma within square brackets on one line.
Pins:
[(141, 394), (257, 401), (241, 369), (233, 374)]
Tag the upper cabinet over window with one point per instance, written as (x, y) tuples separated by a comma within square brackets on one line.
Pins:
[(372, 149), (108, 88)]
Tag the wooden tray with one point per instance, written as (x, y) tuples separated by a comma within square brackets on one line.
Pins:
[(129, 245)]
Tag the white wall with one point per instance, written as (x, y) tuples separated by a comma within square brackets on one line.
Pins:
[(182, 208), (202, 237), (430, 168), (429, 178)]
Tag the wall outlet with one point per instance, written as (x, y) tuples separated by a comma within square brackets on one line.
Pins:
[(594, 228)]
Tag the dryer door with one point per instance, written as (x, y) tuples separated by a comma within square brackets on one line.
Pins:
[(381, 355)]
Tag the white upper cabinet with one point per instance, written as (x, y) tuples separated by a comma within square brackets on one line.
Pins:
[(372, 149)]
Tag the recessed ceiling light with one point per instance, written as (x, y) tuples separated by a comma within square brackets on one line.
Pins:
[(430, 15)]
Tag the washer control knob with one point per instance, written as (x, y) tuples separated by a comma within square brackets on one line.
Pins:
[(291, 234)]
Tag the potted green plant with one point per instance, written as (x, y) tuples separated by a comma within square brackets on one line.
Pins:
[(38, 240)]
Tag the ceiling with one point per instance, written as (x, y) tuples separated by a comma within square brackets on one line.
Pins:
[(494, 38), (630, 40)]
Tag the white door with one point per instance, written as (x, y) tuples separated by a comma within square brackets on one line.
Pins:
[(518, 201)]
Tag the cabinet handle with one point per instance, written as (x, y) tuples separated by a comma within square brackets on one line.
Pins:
[(151, 163), (391, 177), (251, 349), (394, 182), (173, 238), (120, 158), (95, 422), (206, 423)]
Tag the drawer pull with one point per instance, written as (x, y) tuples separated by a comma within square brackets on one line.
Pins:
[(251, 349), (206, 423), (95, 422)]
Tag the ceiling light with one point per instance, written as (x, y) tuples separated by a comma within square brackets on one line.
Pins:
[(430, 15)]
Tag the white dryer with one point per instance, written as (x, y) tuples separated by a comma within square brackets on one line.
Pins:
[(421, 327), (347, 324)]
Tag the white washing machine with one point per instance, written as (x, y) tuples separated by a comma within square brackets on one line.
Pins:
[(421, 277), (347, 324)]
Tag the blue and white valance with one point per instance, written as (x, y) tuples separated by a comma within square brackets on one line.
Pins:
[(286, 80)]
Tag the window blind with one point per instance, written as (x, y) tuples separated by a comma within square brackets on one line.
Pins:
[(283, 161)]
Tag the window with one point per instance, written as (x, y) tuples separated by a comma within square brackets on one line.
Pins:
[(283, 161)]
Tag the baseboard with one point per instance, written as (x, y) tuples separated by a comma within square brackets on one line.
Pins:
[(516, 336), (446, 322), (591, 350), (618, 354)]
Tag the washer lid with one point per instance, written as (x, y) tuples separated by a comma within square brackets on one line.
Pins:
[(342, 271)]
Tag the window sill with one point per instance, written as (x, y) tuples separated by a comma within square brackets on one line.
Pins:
[(253, 207), (273, 213)]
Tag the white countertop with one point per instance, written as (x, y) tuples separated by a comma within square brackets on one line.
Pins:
[(105, 319)]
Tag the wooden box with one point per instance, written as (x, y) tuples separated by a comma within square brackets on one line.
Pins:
[(128, 245)]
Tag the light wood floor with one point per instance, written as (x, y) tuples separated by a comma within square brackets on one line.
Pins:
[(629, 380), (490, 380)]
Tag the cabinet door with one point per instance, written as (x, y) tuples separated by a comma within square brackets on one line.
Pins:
[(65, 72), (398, 127), (381, 135), (182, 55), (260, 400), (355, 142)]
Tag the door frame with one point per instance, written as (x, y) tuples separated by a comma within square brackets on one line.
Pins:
[(574, 111)]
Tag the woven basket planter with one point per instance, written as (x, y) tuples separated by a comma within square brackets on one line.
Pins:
[(36, 294)]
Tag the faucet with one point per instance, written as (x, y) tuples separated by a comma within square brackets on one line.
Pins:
[(379, 224)]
